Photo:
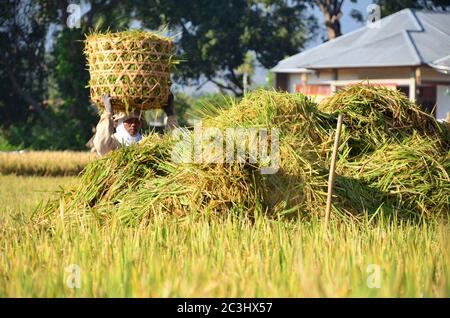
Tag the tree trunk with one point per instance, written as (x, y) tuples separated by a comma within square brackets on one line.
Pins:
[(333, 24), (331, 10)]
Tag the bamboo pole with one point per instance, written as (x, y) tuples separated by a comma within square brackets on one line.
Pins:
[(332, 170)]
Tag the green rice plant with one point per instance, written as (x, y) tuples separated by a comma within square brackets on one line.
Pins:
[(375, 114), (415, 173)]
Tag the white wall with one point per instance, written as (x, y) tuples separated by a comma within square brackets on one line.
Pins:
[(322, 77), (293, 79), (443, 102), (374, 73), (318, 78)]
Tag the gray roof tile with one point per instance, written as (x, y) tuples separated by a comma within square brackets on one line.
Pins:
[(406, 38)]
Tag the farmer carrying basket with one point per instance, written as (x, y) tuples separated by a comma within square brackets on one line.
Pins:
[(129, 74)]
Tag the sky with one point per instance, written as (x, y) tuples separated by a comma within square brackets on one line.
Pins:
[(348, 24)]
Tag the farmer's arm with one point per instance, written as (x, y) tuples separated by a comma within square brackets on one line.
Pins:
[(104, 140), (172, 121)]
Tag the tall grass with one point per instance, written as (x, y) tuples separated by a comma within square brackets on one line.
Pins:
[(44, 163), (200, 256)]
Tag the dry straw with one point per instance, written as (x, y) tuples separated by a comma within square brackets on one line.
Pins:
[(133, 67), (44, 163)]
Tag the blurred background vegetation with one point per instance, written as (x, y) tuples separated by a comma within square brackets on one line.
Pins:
[(44, 101)]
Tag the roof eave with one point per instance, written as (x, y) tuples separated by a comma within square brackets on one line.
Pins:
[(322, 67), (291, 70)]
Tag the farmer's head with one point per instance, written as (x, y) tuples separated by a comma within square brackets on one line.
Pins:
[(132, 125), (131, 122)]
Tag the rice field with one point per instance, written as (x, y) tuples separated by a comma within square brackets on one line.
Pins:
[(44, 163), (137, 223), (195, 256)]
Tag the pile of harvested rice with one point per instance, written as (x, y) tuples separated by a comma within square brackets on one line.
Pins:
[(393, 159)]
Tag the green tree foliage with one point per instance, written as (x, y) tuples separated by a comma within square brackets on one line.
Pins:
[(214, 36), (23, 60), (44, 101), (332, 14), (71, 82), (390, 7)]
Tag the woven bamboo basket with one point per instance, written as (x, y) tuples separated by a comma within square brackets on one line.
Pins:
[(133, 67)]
